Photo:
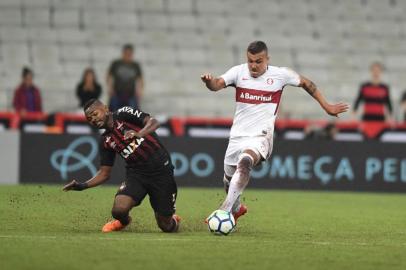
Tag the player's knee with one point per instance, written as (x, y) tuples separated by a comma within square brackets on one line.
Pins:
[(167, 224), (119, 213), (244, 165)]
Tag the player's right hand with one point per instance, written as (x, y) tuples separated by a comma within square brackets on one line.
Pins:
[(206, 77), (75, 185)]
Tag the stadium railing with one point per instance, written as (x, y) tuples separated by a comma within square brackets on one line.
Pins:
[(203, 126)]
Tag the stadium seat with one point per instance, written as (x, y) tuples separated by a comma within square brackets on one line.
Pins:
[(124, 21), (35, 17), (13, 34), (73, 36), (10, 16), (154, 21), (15, 55), (76, 53), (96, 19), (66, 18), (43, 36), (36, 3), (183, 22), (184, 6), (149, 6)]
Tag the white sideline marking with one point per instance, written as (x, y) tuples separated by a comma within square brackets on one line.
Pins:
[(193, 239)]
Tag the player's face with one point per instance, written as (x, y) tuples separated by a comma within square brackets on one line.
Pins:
[(376, 72), (128, 55), (257, 63), (97, 116), (28, 79)]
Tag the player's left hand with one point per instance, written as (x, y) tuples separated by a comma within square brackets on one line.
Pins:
[(75, 185), (131, 134), (336, 109)]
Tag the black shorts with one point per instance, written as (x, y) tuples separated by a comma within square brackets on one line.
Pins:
[(160, 187)]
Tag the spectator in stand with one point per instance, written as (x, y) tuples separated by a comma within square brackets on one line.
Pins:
[(125, 80), (27, 97), (374, 94), (88, 88), (326, 133), (403, 105)]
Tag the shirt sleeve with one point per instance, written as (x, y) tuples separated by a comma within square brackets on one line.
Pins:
[(388, 100), (404, 97), (107, 156), (139, 70), (359, 98), (112, 68), (291, 76), (132, 115), (230, 77)]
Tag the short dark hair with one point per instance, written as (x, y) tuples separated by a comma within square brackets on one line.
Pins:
[(257, 47), (89, 103), (128, 46), (26, 71), (377, 63)]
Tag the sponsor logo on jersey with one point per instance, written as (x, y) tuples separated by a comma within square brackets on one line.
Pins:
[(126, 152), (253, 96), (131, 111), (120, 125)]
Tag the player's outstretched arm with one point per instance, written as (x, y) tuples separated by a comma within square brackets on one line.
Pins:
[(150, 125), (102, 176), (331, 109), (213, 84)]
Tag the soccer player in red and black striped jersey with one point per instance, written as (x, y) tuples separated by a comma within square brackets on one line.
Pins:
[(131, 134), (375, 96)]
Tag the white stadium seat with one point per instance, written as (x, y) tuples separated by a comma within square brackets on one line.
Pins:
[(34, 17), (10, 17), (64, 18), (185, 6)]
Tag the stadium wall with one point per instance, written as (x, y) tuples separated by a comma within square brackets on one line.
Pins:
[(304, 164), (9, 157)]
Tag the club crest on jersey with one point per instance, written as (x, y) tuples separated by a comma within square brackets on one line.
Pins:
[(269, 81), (131, 111)]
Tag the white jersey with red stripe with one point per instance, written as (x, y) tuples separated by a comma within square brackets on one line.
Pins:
[(257, 98)]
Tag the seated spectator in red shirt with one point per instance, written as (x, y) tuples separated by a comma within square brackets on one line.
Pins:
[(374, 94), (27, 96), (88, 88)]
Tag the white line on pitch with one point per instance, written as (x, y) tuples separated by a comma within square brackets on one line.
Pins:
[(192, 239)]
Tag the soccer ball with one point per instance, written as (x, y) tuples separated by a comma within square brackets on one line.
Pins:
[(221, 222)]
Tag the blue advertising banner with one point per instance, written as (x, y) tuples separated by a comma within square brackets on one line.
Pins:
[(322, 165)]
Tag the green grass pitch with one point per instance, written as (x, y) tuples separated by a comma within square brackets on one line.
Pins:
[(42, 227)]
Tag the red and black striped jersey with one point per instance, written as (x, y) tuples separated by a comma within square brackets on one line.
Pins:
[(375, 98), (144, 155)]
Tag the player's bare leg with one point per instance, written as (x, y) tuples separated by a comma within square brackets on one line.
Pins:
[(168, 224), (120, 212), (240, 178)]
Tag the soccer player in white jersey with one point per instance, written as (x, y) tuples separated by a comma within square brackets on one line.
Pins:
[(259, 89)]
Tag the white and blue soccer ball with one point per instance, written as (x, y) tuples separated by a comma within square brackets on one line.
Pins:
[(221, 222)]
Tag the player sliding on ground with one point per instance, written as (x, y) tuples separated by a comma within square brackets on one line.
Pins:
[(258, 92), (131, 134)]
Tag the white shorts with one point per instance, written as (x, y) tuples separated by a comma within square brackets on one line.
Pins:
[(262, 145)]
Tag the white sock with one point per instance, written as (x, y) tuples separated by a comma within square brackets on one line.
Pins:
[(237, 204), (238, 182)]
